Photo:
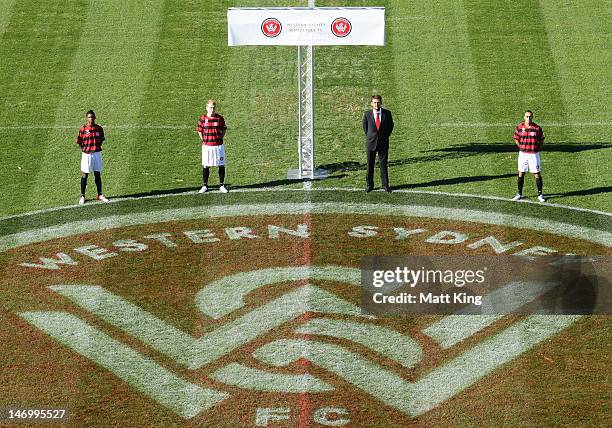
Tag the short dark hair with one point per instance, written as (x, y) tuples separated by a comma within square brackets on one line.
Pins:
[(376, 97), (528, 111), (90, 112)]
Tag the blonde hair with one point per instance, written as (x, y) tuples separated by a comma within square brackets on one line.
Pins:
[(214, 102)]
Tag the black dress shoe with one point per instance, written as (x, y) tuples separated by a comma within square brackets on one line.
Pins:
[(387, 189), (368, 189)]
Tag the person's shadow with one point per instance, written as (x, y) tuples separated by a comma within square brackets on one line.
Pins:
[(585, 192), (181, 190)]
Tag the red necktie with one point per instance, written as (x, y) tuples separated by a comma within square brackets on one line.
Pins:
[(377, 120)]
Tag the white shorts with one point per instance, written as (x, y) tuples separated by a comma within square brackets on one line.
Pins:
[(213, 155), (91, 162), (529, 162)]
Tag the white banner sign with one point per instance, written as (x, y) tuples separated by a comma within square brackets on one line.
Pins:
[(306, 26)]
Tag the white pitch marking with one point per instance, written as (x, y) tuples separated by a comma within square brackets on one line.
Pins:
[(201, 212), (184, 348), (466, 125), (328, 189), (245, 377), (511, 125), (183, 397), (389, 343), (226, 295), (445, 381), (505, 300)]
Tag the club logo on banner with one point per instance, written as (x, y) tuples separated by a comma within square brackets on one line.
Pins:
[(286, 26), (271, 27), (341, 27)]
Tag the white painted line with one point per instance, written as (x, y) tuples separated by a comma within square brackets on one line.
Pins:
[(246, 377), (505, 300), (327, 189), (144, 126), (184, 348), (200, 212), (389, 343), (512, 125), (183, 397), (442, 383), (75, 127)]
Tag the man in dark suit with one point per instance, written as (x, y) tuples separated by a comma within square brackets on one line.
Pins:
[(377, 126)]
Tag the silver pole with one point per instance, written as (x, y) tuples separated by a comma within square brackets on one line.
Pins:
[(311, 110), (306, 160), (299, 60)]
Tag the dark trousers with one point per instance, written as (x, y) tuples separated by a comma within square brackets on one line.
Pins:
[(384, 172)]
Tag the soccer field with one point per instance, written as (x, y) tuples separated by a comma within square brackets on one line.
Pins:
[(456, 75), (171, 308)]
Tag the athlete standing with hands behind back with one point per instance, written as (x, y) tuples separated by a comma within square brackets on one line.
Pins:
[(89, 139), (529, 137), (211, 129)]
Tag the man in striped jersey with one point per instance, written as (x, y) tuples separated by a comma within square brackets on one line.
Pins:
[(89, 139), (211, 129), (529, 137)]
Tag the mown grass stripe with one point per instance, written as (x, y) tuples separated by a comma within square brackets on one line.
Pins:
[(579, 38), (185, 126), (514, 60), (107, 75), (38, 43), (516, 71), (6, 11)]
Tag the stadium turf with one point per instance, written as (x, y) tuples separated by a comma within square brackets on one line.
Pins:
[(457, 76)]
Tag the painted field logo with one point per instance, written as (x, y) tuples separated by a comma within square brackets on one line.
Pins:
[(271, 27), (250, 317), (341, 27)]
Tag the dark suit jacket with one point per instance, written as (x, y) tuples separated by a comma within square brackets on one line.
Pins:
[(377, 139)]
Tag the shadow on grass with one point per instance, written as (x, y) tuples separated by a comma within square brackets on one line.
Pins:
[(176, 191), (454, 180), (361, 166), (585, 192), (562, 146), (468, 150), (179, 190)]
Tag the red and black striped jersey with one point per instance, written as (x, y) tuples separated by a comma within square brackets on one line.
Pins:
[(529, 137), (90, 138), (212, 129)]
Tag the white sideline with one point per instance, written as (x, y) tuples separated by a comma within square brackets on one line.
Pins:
[(189, 126), (311, 189)]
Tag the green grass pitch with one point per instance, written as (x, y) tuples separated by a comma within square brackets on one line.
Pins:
[(457, 75)]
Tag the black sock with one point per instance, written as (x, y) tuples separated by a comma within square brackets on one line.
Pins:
[(98, 179), (205, 175), (222, 175), (83, 184), (539, 184), (521, 180)]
